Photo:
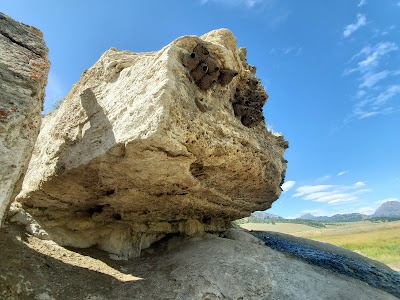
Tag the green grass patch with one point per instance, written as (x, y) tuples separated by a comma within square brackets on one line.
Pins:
[(382, 245)]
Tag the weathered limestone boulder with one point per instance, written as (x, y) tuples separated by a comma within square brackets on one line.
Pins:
[(23, 76), (145, 145)]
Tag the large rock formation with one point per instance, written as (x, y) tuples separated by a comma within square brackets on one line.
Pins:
[(23, 77), (147, 144)]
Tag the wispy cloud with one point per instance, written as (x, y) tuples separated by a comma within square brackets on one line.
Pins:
[(288, 185), (390, 92), (370, 79), (373, 55), (374, 91), (293, 51), (351, 28), (331, 194), (342, 173), (310, 189), (362, 3), (382, 32), (377, 103)]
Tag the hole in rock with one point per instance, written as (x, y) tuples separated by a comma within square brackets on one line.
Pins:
[(117, 216), (196, 169), (109, 192), (96, 209)]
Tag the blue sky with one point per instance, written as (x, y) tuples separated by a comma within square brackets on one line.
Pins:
[(331, 68)]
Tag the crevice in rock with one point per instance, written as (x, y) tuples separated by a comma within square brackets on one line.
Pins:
[(19, 43)]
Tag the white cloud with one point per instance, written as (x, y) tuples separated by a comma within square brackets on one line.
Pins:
[(374, 91), (349, 29), (369, 79), (377, 103), (361, 93), (373, 55), (362, 3), (288, 185), (308, 189), (342, 173), (387, 94), (367, 210), (386, 200), (331, 194)]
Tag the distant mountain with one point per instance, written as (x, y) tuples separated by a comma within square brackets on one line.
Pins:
[(309, 217), (264, 216), (335, 218), (388, 209)]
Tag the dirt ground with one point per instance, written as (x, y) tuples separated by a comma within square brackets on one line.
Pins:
[(204, 267)]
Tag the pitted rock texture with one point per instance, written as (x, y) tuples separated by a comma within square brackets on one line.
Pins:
[(23, 76), (205, 70), (137, 151), (248, 102)]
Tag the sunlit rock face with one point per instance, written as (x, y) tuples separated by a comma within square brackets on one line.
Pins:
[(23, 76), (142, 147)]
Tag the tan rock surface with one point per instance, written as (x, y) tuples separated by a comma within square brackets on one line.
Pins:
[(137, 150), (23, 76)]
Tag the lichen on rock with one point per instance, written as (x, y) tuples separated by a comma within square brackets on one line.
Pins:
[(140, 149)]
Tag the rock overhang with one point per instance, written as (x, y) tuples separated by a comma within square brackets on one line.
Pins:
[(138, 150)]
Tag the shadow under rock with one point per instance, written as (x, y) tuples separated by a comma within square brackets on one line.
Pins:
[(27, 273)]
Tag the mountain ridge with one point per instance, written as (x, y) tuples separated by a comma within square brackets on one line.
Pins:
[(389, 209)]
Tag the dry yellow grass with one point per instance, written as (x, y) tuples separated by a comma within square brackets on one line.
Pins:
[(382, 244)]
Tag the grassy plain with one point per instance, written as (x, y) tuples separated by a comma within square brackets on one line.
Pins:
[(379, 241)]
